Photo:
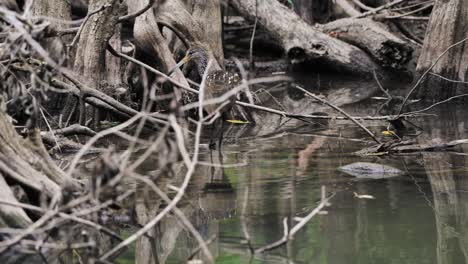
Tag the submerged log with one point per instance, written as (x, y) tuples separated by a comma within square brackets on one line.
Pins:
[(384, 47), (302, 42)]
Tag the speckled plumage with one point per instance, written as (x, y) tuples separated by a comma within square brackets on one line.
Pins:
[(218, 82), (222, 81)]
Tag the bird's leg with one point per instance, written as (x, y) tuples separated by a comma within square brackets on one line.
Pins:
[(212, 144), (221, 134), (217, 133)]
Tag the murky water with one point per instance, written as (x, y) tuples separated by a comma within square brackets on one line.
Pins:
[(418, 217)]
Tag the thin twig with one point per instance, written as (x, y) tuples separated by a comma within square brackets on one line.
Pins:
[(181, 190), (409, 13), (179, 214), (341, 111), (80, 29), (289, 235), (438, 103), (427, 71), (251, 59), (299, 116), (137, 13), (380, 8)]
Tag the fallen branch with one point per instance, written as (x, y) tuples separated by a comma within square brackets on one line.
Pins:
[(408, 146), (301, 42), (301, 116), (72, 130)]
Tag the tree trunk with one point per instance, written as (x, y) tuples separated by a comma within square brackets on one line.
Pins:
[(151, 43), (448, 24), (57, 9), (90, 60), (207, 13), (193, 31), (60, 10), (302, 42)]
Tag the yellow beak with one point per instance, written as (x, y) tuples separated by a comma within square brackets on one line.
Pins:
[(178, 65)]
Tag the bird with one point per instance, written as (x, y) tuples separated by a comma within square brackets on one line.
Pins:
[(217, 82)]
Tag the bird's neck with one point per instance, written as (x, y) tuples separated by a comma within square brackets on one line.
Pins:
[(201, 66)]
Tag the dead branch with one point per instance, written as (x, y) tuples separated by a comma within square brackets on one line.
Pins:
[(190, 164), (341, 111)]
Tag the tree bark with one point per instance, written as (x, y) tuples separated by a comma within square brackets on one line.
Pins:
[(60, 10), (302, 42), (57, 9), (207, 13), (448, 25), (90, 60)]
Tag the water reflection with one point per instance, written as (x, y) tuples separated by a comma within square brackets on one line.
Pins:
[(419, 217)]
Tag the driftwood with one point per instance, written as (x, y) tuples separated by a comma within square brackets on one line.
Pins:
[(409, 146), (302, 42), (384, 47)]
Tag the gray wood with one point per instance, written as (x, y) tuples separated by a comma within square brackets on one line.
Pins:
[(302, 42)]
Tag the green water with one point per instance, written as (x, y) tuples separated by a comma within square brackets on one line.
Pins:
[(419, 217)]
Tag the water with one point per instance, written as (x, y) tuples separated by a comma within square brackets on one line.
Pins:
[(420, 217), (277, 169)]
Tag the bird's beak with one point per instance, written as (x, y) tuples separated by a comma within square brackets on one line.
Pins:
[(178, 65)]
